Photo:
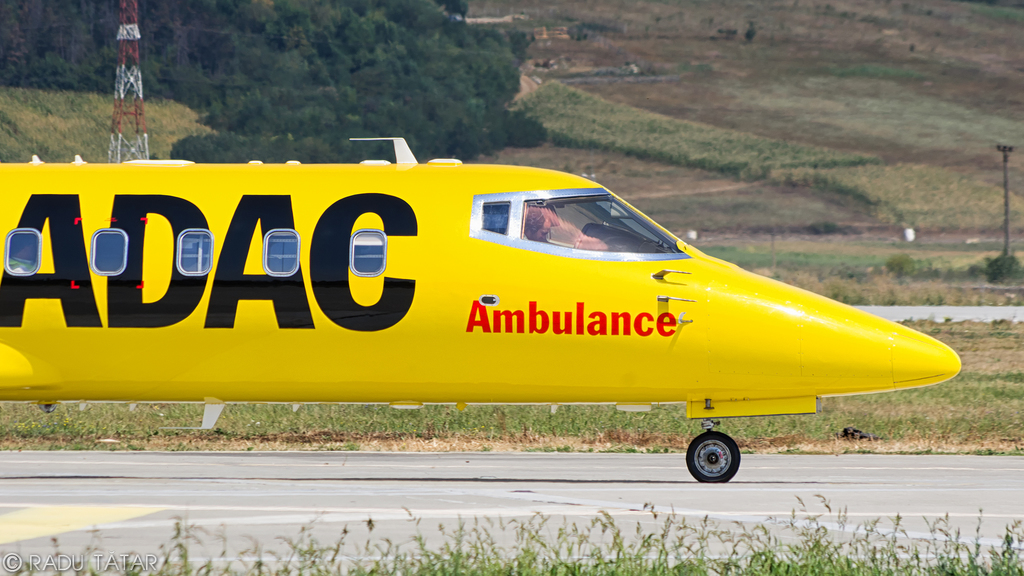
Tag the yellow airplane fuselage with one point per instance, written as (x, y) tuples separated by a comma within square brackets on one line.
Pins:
[(560, 329)]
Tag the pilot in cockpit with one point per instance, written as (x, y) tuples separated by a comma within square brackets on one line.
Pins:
[(596, 223), (542, 224)]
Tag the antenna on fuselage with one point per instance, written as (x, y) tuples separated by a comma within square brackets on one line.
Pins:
[(403, 155)]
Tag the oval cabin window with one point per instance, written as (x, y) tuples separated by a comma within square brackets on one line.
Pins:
[(281, 252), (195, 252), (109, 252), (368, 254), (23, 252)]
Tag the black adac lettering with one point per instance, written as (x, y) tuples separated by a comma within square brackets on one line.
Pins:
[(231, 284), (70, 282), (329, 263), (125, 308)]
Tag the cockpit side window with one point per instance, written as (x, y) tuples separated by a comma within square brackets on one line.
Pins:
[(496, 217), (585, 223), (597, 223)]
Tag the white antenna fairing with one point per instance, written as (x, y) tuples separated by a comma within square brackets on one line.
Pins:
[(403, 155)]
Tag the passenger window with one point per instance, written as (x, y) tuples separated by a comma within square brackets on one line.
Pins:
[(195, 252), (369, 253), (23, 252), (109, 252), (496, 217), (281, 252)]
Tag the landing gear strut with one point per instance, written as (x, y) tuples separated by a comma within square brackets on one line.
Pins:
[(712, 456)]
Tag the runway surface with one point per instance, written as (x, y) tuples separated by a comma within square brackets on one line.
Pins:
[(122, 501), (952, 313)]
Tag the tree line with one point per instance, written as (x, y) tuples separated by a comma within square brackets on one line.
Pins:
[(289, 79)]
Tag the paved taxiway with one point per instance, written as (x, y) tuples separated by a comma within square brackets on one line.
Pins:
[(947, 313), (123, 501)]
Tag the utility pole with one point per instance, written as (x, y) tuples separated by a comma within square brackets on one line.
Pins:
[(128, 84), (1006, 196)]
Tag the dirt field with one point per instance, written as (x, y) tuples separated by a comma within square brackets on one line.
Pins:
[(935, 82)]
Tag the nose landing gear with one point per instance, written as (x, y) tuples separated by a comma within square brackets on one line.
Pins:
[(712, 456)]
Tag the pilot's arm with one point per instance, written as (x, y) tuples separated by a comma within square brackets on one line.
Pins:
[(566, 233), (542, 224), (585, 242)]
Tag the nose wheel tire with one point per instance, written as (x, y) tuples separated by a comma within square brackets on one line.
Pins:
[(713, 457)]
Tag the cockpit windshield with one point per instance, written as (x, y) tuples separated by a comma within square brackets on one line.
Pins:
[(599, 223)]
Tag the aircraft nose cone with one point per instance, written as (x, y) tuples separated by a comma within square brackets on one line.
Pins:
[(919, 361)]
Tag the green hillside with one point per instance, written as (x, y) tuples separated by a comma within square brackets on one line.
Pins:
[(58, 125), (290, 80)]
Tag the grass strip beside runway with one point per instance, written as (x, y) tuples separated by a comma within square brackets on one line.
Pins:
[(809, 545), (976, 413)]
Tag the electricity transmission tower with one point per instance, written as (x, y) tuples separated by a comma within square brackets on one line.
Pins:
[(1006, 196), (128, 138)]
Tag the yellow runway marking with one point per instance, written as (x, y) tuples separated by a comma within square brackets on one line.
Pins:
[(50, 520)]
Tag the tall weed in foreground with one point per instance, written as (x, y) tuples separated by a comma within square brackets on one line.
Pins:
[(657, 544)]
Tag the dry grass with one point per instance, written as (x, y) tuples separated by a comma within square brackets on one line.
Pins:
[(884, 290), (579, 120), (58, 125), (923, 197), (880, 114), (985, 349), (893, 119), (616, 441)]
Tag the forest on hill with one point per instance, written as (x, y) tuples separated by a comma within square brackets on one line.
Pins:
[(289, 79)]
